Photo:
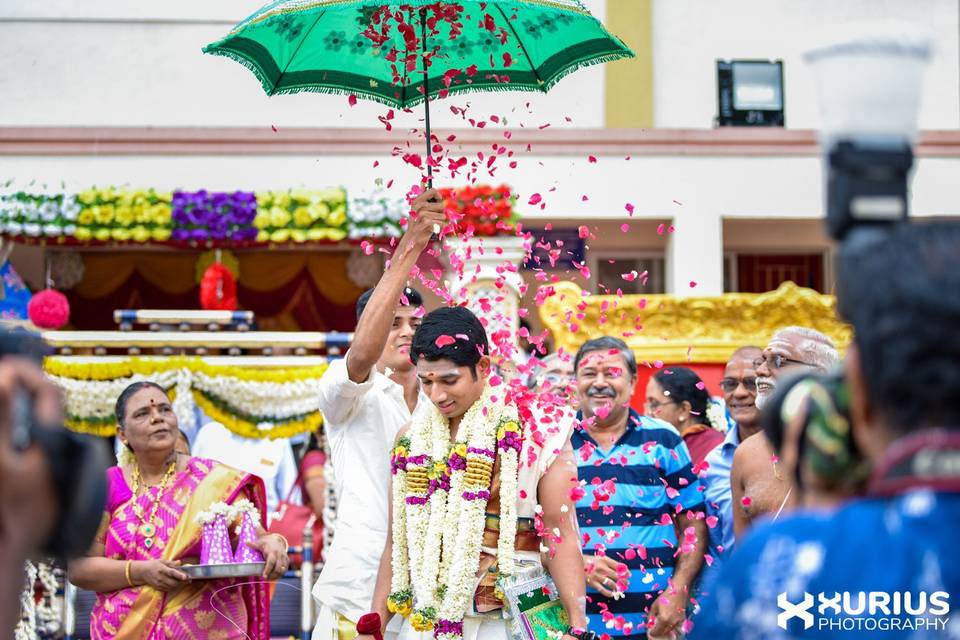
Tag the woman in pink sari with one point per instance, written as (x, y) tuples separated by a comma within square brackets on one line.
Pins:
[(150, 529)]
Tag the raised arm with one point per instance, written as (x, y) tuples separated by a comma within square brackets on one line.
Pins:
[(373, 328), (562, 536)]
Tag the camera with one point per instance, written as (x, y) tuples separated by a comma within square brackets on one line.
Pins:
[(869, 87), (76, 464)]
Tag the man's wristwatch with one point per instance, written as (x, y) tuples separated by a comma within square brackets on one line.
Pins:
[(581, 634)]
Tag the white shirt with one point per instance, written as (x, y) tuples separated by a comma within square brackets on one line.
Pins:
[(361, 423), (272, 460)]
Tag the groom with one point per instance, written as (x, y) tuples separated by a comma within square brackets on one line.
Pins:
[(492, 501)]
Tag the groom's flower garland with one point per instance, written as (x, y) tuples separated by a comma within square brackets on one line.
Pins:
[(440, 495)]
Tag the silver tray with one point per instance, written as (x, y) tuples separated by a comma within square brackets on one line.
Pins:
[(213, 571)]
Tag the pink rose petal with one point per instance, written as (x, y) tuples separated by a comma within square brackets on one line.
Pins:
[(444, 340)]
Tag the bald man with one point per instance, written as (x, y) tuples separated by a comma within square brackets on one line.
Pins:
[(739, 386), (757, 485)]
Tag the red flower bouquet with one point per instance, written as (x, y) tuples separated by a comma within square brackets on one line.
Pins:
[(481, 210)]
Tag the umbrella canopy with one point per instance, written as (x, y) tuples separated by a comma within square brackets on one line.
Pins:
[(376, 50)]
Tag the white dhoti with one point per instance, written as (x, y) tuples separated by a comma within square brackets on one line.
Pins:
[(482, 628)]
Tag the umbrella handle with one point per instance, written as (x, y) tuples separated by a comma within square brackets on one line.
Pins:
[(426, 97), (426, 109)]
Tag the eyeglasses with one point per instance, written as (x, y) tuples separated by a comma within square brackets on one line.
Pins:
[(729, 385), (777, 361), (656, 405)]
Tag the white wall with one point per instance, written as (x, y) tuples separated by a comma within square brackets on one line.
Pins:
[(114, 63), (690, 35)]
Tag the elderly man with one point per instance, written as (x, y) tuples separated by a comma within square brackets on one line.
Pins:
[(641, 513), (739, 386), (897, 546), (758, 487), (556, 374)]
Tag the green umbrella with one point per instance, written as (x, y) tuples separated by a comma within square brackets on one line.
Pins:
[(342, 47)]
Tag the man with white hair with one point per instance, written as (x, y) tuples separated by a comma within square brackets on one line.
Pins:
[(758, 486)]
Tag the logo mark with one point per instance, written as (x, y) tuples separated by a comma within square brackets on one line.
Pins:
[(790, 610)]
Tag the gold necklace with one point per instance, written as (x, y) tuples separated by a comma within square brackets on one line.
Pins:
[(149, 527)]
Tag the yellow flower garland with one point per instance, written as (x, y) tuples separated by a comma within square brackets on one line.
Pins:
[(249, 429), (133, 366), (107, 371)]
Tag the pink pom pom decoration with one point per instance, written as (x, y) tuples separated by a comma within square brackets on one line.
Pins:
[(247, 534), (215, 543), (49, 309)]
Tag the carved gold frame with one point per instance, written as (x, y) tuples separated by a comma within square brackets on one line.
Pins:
[(675, 329)]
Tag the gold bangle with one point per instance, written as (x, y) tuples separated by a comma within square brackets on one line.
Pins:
[(286, 543), (126, 572)]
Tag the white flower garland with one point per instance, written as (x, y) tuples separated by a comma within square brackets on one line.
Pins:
[(241, 507), (716, 417), (43, 618), (26, 628), (440, 497), (214, 510), (96, 399)]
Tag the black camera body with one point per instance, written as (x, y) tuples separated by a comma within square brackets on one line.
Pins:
[(77, 463)]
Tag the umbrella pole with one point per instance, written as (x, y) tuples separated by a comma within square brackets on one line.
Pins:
[(426, 98)]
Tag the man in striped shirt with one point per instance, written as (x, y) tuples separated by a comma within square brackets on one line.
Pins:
[(641, 513)]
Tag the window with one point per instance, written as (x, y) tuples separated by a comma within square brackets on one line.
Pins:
[(756, 273), (609, 270)]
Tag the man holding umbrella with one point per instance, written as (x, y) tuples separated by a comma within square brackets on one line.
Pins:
[(366, 398)]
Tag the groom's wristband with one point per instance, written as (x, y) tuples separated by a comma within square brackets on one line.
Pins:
[(581, 634)]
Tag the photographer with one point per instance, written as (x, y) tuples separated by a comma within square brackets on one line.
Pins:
[(902, 295), (48, 506), (28, 500)]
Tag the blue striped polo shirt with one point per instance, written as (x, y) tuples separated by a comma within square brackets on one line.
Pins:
[(651, 477)]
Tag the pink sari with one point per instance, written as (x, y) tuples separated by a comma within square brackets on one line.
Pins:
[(214, 609)]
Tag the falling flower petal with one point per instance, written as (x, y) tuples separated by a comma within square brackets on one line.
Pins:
[(535, 199), (352, 99), (444, 340)]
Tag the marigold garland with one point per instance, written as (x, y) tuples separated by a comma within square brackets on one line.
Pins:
[(252, 430), (240, 398)]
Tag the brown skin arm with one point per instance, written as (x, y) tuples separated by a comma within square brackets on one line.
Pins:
[(316, 488), (564, 561), (104, 575), (373, 329)]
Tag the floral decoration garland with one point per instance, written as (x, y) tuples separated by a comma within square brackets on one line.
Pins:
[(252, 403), (207, 218), (300, 216), (38, 214), (43, 618), (440, 494), (231, 512), (485, 210), (201, 215), (375, 216)]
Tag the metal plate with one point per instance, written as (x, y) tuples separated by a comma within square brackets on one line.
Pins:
[(214, 571)]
